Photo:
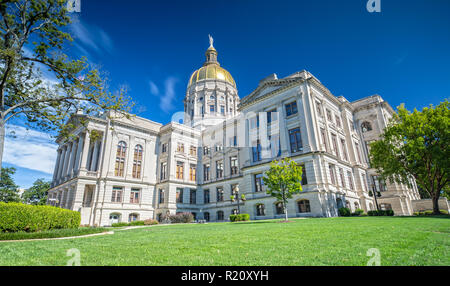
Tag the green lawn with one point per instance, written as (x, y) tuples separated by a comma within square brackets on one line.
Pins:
[(324, 241)]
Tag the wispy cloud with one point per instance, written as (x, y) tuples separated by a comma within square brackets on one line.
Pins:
[(167, 98), (29, 149), (90, 37)]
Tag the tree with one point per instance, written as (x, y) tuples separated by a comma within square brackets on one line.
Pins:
[(9, 191), (32, 39), (415, 145), (283, 180), (37, 194)]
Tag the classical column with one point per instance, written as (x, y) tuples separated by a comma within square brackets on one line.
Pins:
[(85, 152), (63, 158), (76, 166), (72, 158), (283, 130), (55, 173), (67, 160)]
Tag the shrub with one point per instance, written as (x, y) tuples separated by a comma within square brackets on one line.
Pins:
[(31, 218), (239, 217), (137, 222), (344, 212), (429, 213), (381, 213), (150, 222), (119, 224), (359, 211), (181, 218)]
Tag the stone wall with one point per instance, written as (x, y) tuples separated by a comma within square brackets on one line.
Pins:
[(427, 204)]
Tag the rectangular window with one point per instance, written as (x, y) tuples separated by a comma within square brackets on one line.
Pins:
[(206, 150), (295, 140), (344, 149), (341, 174), (256, 151), (324, 138), (117, 194), (259, 183), (272, 116), (291, 108), (164, 148), (332, 169), (234, 165), (211, 108), (161, 196), (163, 171), (206, 197), (134, 196), (219, 169), (350, 180), (358, 153), (193, 197), (329, 115), (222, 110), (192, 172), (193, 150), (205, 172), (319, 109), (335, 147), (180, 147), (219, 194), (338, 121), (304, 178), (179, 197), (180, 170)]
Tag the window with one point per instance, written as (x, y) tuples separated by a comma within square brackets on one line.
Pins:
[(193, 197), (163, 171), (137, 161), (192, 172), (235, 189), (234, 165), (335, 147), (222, 110), (219, 191), (272, 115), (304, 206), (120, 159), (364, 182), (350, 180), (295, 140), (180, 170), (161, 196), (133, 217), (279, 208), (324, 138), (329, 115), (117, 194), (259, 183), (341, 174), (180, 147), (192, 150), (219, 169), (357, 152), (291, 108), (344, 149), (385, 206), (211, 108), (366, 126), (206, 216), (164, 148), (332, 168), (319, 109), (179, 195), (219, 147), (356, 205), (194, 214), (206, 197), (206, 150), (338, 121), (256, 151), (205, 172), (220, 215), (304, 178), (260, 210), (134, 196)]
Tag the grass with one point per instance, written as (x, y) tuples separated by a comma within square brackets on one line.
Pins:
[(50, 233), (321, 241)]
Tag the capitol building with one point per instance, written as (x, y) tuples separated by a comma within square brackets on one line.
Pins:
[(137, 169)]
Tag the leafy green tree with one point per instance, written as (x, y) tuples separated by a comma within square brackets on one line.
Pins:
[(415, 145), (283, 179), (37, 194), (34, 37), (9, 191)]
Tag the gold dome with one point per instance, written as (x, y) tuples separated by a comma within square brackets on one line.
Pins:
[(211, 71)]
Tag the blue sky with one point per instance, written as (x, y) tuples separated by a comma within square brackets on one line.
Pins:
[(152, 47)]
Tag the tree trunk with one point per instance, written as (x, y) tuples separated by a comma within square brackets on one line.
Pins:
[(435, 200), (2, 142), (285, 210)]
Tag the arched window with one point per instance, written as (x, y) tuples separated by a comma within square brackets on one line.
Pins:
[(137, 161), (120, 159), (133, 217), (385, 206), (260, 210), (220, 215), (304, 206), (366, 126), (279, 208), (114, 218), (347, 204), (206, 216), (370, 206), (339, 203), (356, 205)]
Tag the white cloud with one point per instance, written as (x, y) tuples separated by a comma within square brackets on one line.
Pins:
[(165, 99), (29, 149), (91, 37)]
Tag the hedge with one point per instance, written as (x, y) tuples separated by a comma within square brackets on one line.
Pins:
[(380, 213), (239, 217), (429, 213), (344, 212), (30, 218)]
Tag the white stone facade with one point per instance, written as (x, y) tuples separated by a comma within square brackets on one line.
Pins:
[(110, 180)]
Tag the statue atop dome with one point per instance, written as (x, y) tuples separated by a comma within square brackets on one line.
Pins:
[(211, 41)]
